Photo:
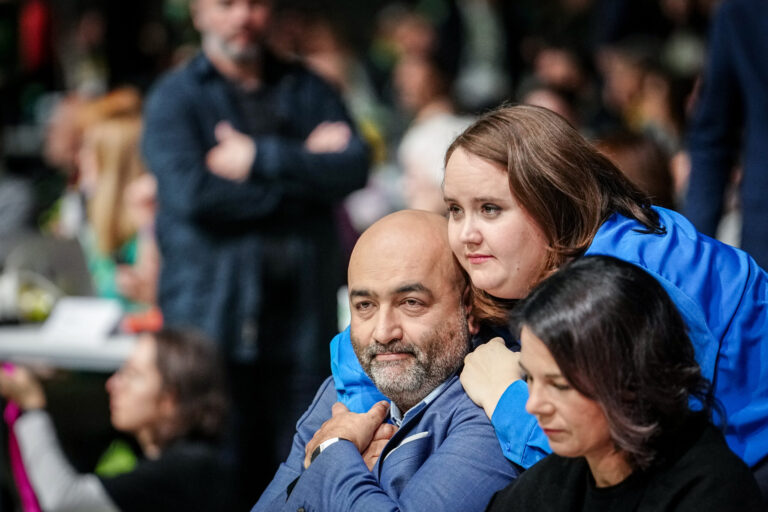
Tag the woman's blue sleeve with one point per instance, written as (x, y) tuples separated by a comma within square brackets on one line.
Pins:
[(353, 386), (521, 439)]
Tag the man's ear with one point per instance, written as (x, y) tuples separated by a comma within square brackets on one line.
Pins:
[(466, 302), (472, 324)]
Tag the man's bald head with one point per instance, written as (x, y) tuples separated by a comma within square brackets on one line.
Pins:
[(406, 295), (408, 238)]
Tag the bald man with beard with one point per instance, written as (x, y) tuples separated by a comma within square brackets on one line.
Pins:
[(431, 448)]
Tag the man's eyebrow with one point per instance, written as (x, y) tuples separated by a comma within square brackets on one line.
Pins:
[(413, 287), (360, 293)]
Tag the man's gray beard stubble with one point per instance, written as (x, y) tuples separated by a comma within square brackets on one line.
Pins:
[(432, 364), (219, 45)]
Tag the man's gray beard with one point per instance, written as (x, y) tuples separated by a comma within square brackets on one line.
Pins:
[(441, 353), (244, 56)]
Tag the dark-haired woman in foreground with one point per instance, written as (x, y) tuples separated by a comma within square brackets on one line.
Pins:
[(611, 372), (169, 395)]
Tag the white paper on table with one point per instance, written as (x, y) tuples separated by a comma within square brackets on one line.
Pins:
[(81, 320)]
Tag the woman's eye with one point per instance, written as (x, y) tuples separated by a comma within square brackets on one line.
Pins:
[(561, 387), (525, 377), (454, 211), (490, 209)]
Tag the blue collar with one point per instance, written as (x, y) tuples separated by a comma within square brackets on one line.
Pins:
[(398, 417)]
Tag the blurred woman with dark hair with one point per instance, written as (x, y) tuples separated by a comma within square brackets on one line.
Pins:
[(611, 375), (170, 396)]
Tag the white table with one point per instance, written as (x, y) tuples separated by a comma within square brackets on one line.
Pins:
[(26, 344)]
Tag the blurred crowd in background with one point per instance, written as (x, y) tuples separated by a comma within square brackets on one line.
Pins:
[(413, 74)]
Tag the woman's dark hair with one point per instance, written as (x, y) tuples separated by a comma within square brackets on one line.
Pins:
[(191, 371), (563, 183), (619, 340)]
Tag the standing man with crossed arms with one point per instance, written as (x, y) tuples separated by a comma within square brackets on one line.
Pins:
[(251, 155)]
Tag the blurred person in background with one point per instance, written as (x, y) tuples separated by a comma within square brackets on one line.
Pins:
[(644, 95), (423, 86), (139, 281), (70, 117), (622, 68), (615, 386), (252, 153), (661, 107), (96, 142), (318, 36), (414, 28), (644, 162), (562, 68), (62, 134), (553, 98), (61, 144), (326, 50), (684, 48), (170, 396), (402, 32), (81, 49), (730, 120), (561, 80), (109, 162), (17, 206), (483, 77)]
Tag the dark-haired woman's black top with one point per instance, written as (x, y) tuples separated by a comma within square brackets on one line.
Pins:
[(189, 475), (701, 474)]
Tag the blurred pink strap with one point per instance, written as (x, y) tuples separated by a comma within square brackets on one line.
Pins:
[(26, 493)]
